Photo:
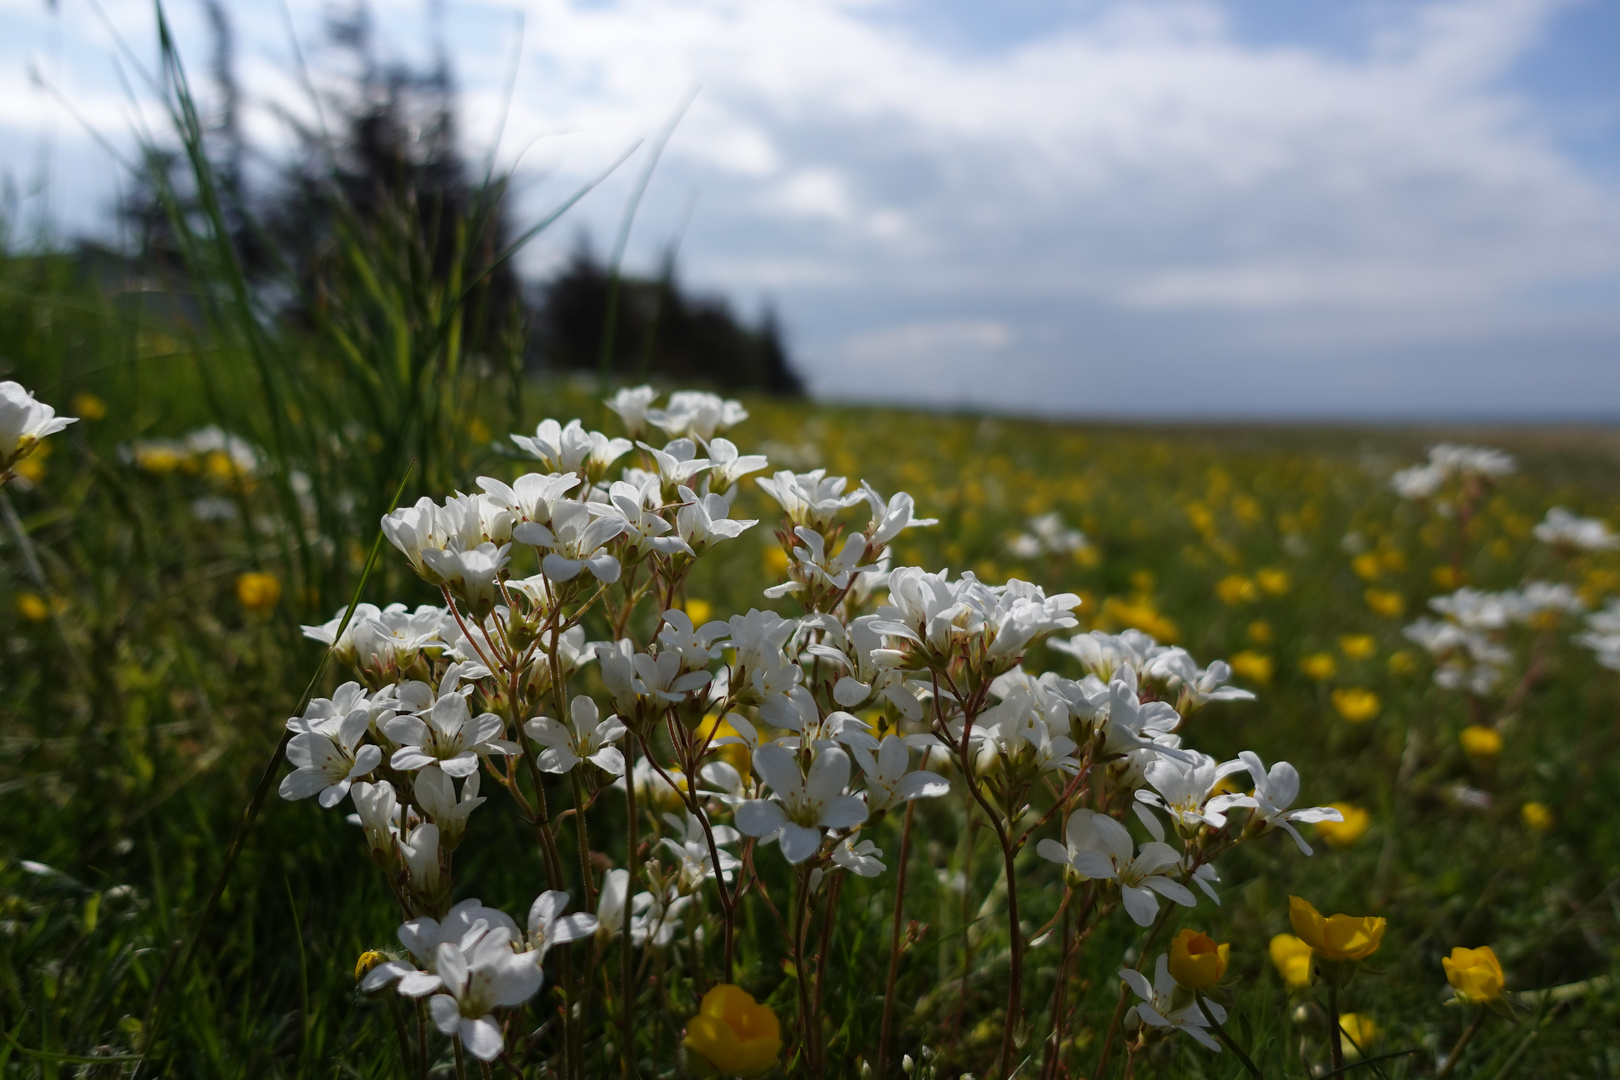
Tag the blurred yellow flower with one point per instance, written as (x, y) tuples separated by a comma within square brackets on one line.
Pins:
[(478, 431), (1253, 666), (1402, 662), (1479, 741), (1236, 589), (1357, 646), (1367, 566), (714, 727), (733, 1034), (89, 406), (1292, 959), (1356, 704), (776, 561), (1139, 612), (1536, 816), (698, 610), (1142, 581), (1385, 602), (158, 457), (1335, 937), (1359, 1033), (1446, 577), (32, 468), (1341, 834), (32, 607), (1320, 666), (1196, 962), (1394, 559), (1272, 580), (258, 591), (1475, 974), (1260, 632)]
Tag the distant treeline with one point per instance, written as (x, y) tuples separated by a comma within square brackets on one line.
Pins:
[(383, 182)]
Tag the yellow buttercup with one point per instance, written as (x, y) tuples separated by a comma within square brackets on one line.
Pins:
[(1335, 937), (733, 1034), (1475, 974)]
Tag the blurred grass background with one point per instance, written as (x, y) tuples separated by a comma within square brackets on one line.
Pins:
[(143, 690)]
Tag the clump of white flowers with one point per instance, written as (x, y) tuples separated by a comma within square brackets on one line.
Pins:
[(24, 421), (1452, 467), (687, 759)]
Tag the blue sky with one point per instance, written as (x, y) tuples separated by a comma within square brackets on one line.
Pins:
[(1091, 207)]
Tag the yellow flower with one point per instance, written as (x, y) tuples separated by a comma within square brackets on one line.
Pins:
[(32, 607), (1344, 833), (1140, 613), (714, 727), (698, 610), (89, 406), (1386, 602), (733, 1034), (1254, 666), (1196, 962), (1479, 741), (1355, 704), (1475, 974), (1359, 1033), (1292, 959), (368, 960), (158, 457), (32, 468), (1357, 646), (1536, 816), (1236, 589), (1260, 632), (776, 561), (1402, 662), (478, 431), (1319, 666), (1446, 577), (258, 591), (1335, 937), (1367, 566), (1272, 579)]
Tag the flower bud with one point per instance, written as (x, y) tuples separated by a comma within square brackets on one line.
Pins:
[(1474, 974), (1196, 962)]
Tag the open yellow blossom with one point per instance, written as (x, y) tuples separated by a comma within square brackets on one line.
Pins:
[(1356, 704), (1479, 741), (1475, 974), (32, 607), (1253, 667), (1272, 579), (1385, 602), (1196, 962), (733, 1034), (1357, 646), (1359, 1033), (1335, 937), (1536, 816), (1236, 589), (1292, 959), (1402, 662), (258, 591), (1341, 834), (1320, 666)]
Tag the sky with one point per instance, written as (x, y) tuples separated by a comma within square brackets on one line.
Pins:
[(1107, 208)]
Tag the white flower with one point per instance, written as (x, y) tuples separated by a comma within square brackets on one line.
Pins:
[(1563, 529), (677, 463), (888, 784), (572, 449), (325, 748), (813, 499), (697, 415), (377, 811), (1182, 789), (531, 497), (1446, 461), (486, 977), (890, 519), (473, 574), (727, 466), (631, 405), (863, 858), (806, 804), (657, 918), (1047, 535), (1603, 635), (637, 506), (1127, 723), (446, 735), (586, 740), (702, 521), (1176, 668), (463, 926), (1275, 792), (414, 530), (760, 668), (436, 795), (420, 850), (548, 925), (573, 542), (1103, 655), (1157, 1006), (610, 901), (1096, 846), (692, 850), (23, 422)]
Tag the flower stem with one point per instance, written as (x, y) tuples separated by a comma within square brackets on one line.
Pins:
[(627, 992), (894, 944), (1455, 1056), (461, 1065), (1209, 1014), (1335, 1035), (421, 1039)]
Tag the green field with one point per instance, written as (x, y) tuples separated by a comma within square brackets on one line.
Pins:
[(143, 697)]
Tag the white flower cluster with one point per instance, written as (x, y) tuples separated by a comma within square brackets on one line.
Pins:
[(1047, 535), (1451, 463), (24, 421), (1467, 644), (799, 732), (1563, 529), (1603, 635)]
